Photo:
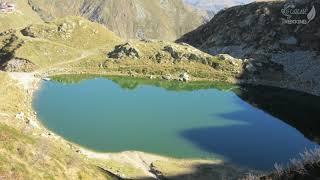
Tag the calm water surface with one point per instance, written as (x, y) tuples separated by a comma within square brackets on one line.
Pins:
[(172, 119)]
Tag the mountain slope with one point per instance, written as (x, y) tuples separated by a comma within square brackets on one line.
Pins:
[(274, 52), (20, 17), (156, 19)]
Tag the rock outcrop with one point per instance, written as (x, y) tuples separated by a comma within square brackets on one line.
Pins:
[(184, 77), (18, 65), (125, 50), (185, 53)]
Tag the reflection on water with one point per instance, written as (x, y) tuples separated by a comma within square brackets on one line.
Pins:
[(247, 126)]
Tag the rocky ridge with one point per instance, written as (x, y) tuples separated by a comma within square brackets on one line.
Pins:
[(273, 51)]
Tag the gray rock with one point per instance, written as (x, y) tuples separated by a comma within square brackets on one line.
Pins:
[(195, 57), (159, 57), (152, 77), (184, 77), (175, 54), (250, 68), (20, 115), (167, 77), (123, 50)]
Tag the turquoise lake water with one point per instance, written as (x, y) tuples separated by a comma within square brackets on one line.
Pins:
[(170, 118)]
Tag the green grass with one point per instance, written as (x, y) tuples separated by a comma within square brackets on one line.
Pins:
[(73, 31), (26, 157), (45, 54), (12, 99), (45, 44)]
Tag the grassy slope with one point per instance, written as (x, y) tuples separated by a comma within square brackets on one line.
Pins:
[(58, 42), (23, 156), (19, 19), (78, 45), (73, 31)]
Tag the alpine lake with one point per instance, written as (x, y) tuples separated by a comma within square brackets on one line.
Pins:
[(249, 126)]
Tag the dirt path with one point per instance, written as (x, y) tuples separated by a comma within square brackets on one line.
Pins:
[(25, 80)]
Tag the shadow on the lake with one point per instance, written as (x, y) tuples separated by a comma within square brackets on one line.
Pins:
[(258, 138), (299, 110)]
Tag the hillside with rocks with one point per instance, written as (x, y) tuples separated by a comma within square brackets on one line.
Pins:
[(273, 51), (47, 44), (74, 44), (155, 19)]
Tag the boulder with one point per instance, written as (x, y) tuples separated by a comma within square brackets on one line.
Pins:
[(250, 68), (179, 53), (20, 115), (152, 77), (167, 77), (160, 57), (184, 77), (175, 54), (125, 50), (196, 57)]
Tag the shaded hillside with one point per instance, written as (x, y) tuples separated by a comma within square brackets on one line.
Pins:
[(129, 19), (262, 29), (275, 52)]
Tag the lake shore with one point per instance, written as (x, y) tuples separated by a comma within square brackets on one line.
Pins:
[(143, 162)]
